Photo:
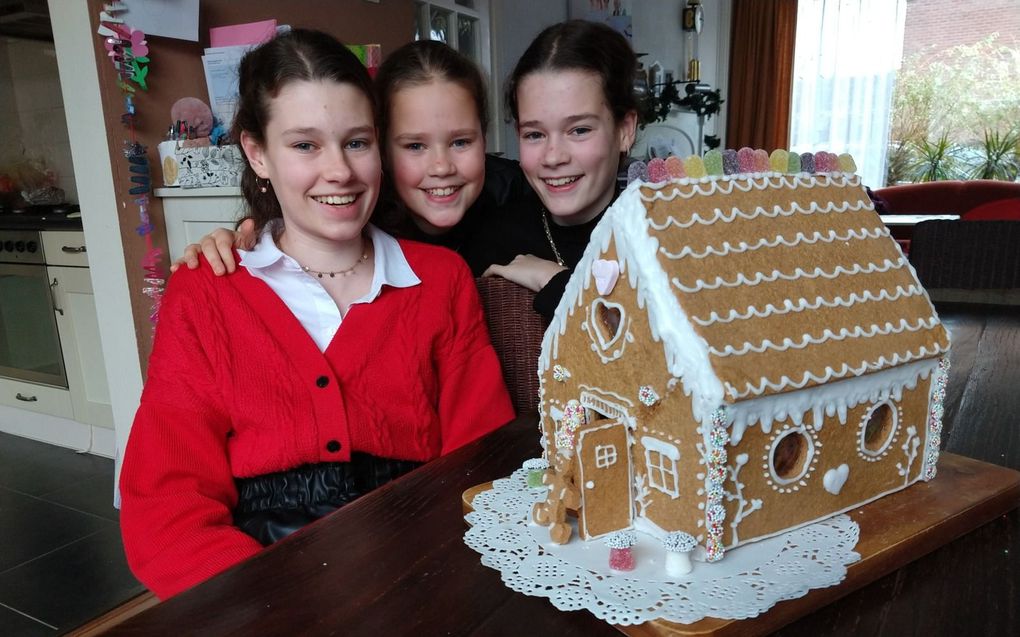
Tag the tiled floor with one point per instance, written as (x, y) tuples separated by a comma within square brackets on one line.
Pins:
[(61, 560)]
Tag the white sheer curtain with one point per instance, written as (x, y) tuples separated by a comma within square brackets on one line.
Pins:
[(845, 63)]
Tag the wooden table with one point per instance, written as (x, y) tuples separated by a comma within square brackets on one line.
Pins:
[(394, 562)]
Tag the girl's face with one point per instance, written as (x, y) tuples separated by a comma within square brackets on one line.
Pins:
[(437, 153), (322, 157), (570, 143)]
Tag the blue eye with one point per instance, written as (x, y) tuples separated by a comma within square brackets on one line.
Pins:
[(415, 146), (304, 146), (531, 135), (461, 143), (581, 130), (357, 144)]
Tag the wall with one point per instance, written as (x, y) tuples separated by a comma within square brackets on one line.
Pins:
[(32, 108), (657, 33), (940, 24), (514, 25)]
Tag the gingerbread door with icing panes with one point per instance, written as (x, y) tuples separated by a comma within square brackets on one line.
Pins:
[(604, 478)]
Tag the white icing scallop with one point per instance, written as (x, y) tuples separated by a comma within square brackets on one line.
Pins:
[(747, 183), (845, 370), (801, 304), (718, 216), (799, 273), (831, 236), (858, 331)]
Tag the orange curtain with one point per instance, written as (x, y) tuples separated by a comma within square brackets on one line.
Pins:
[(762, 37)]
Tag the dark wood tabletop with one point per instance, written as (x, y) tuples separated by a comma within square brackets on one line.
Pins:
[(394, 562)]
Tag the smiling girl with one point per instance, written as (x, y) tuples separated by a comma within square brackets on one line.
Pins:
[(335, 359), (572, 97)]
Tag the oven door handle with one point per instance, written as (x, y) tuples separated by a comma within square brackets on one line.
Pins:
[(53, 296), (27, 399), (72, 249)]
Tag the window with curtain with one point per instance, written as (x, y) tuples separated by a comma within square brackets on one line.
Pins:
[(845, 63)]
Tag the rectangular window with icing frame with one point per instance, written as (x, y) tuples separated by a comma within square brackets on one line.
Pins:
[(605, 456), (661, 464)]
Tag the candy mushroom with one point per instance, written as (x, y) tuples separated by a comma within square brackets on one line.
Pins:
[(536, 472), (678, 547), (621, 553)]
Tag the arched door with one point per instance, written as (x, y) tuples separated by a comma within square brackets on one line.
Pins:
[(604, 478)]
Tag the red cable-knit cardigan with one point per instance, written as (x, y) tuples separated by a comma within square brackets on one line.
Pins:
[(237, 388)]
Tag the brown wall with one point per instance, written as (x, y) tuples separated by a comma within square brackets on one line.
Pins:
[(175, 71)]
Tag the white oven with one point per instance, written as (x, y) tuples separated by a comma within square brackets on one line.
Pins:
[(29, 341)]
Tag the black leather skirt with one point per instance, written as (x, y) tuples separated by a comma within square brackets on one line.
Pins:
[(272, 506)]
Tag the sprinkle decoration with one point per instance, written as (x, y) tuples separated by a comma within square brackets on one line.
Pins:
[(621, 539), (733, 163), (128, 51), (647, 395), (536, 470), (621, 557), (715, 475), (938, 395), (573, 418), (560, 373)]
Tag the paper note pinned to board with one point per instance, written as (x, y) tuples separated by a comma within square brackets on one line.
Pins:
[(242, 34), (168, 18)]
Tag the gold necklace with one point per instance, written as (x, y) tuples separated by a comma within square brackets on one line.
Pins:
[(347, 272), (552, 244)]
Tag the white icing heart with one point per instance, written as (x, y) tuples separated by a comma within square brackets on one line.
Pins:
[(606, 274), (835, 479)]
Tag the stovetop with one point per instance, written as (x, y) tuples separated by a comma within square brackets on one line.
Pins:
[(40, 217)]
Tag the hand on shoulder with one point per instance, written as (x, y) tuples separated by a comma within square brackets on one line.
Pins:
[(218, 248)]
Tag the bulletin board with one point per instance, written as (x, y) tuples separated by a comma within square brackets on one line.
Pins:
[(175, 71)]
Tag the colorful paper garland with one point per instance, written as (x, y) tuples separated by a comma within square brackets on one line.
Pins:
[(128, 50)]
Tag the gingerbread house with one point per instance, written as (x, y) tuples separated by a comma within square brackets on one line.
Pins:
[(737, 355)]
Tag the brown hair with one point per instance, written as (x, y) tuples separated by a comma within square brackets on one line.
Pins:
[(579, 45), (298, 55), (422, 62), (416, 64)]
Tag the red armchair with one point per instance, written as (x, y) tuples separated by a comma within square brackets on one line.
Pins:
[(978, 199)]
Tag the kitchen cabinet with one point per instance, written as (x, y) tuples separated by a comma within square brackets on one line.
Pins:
[(78, 325), (192, 213)]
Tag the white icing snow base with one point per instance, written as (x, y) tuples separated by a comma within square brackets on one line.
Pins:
[(576, 576)]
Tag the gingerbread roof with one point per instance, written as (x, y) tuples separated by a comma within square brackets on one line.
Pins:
[(765, 283)]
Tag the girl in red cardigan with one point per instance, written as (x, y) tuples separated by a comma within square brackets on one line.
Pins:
[(335, 360)]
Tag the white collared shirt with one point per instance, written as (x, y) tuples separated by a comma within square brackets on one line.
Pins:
[(305, 296)]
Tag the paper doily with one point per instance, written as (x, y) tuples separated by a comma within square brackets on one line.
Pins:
[(746, 582)]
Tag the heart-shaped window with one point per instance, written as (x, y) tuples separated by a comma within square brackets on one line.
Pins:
[(607, 320)]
